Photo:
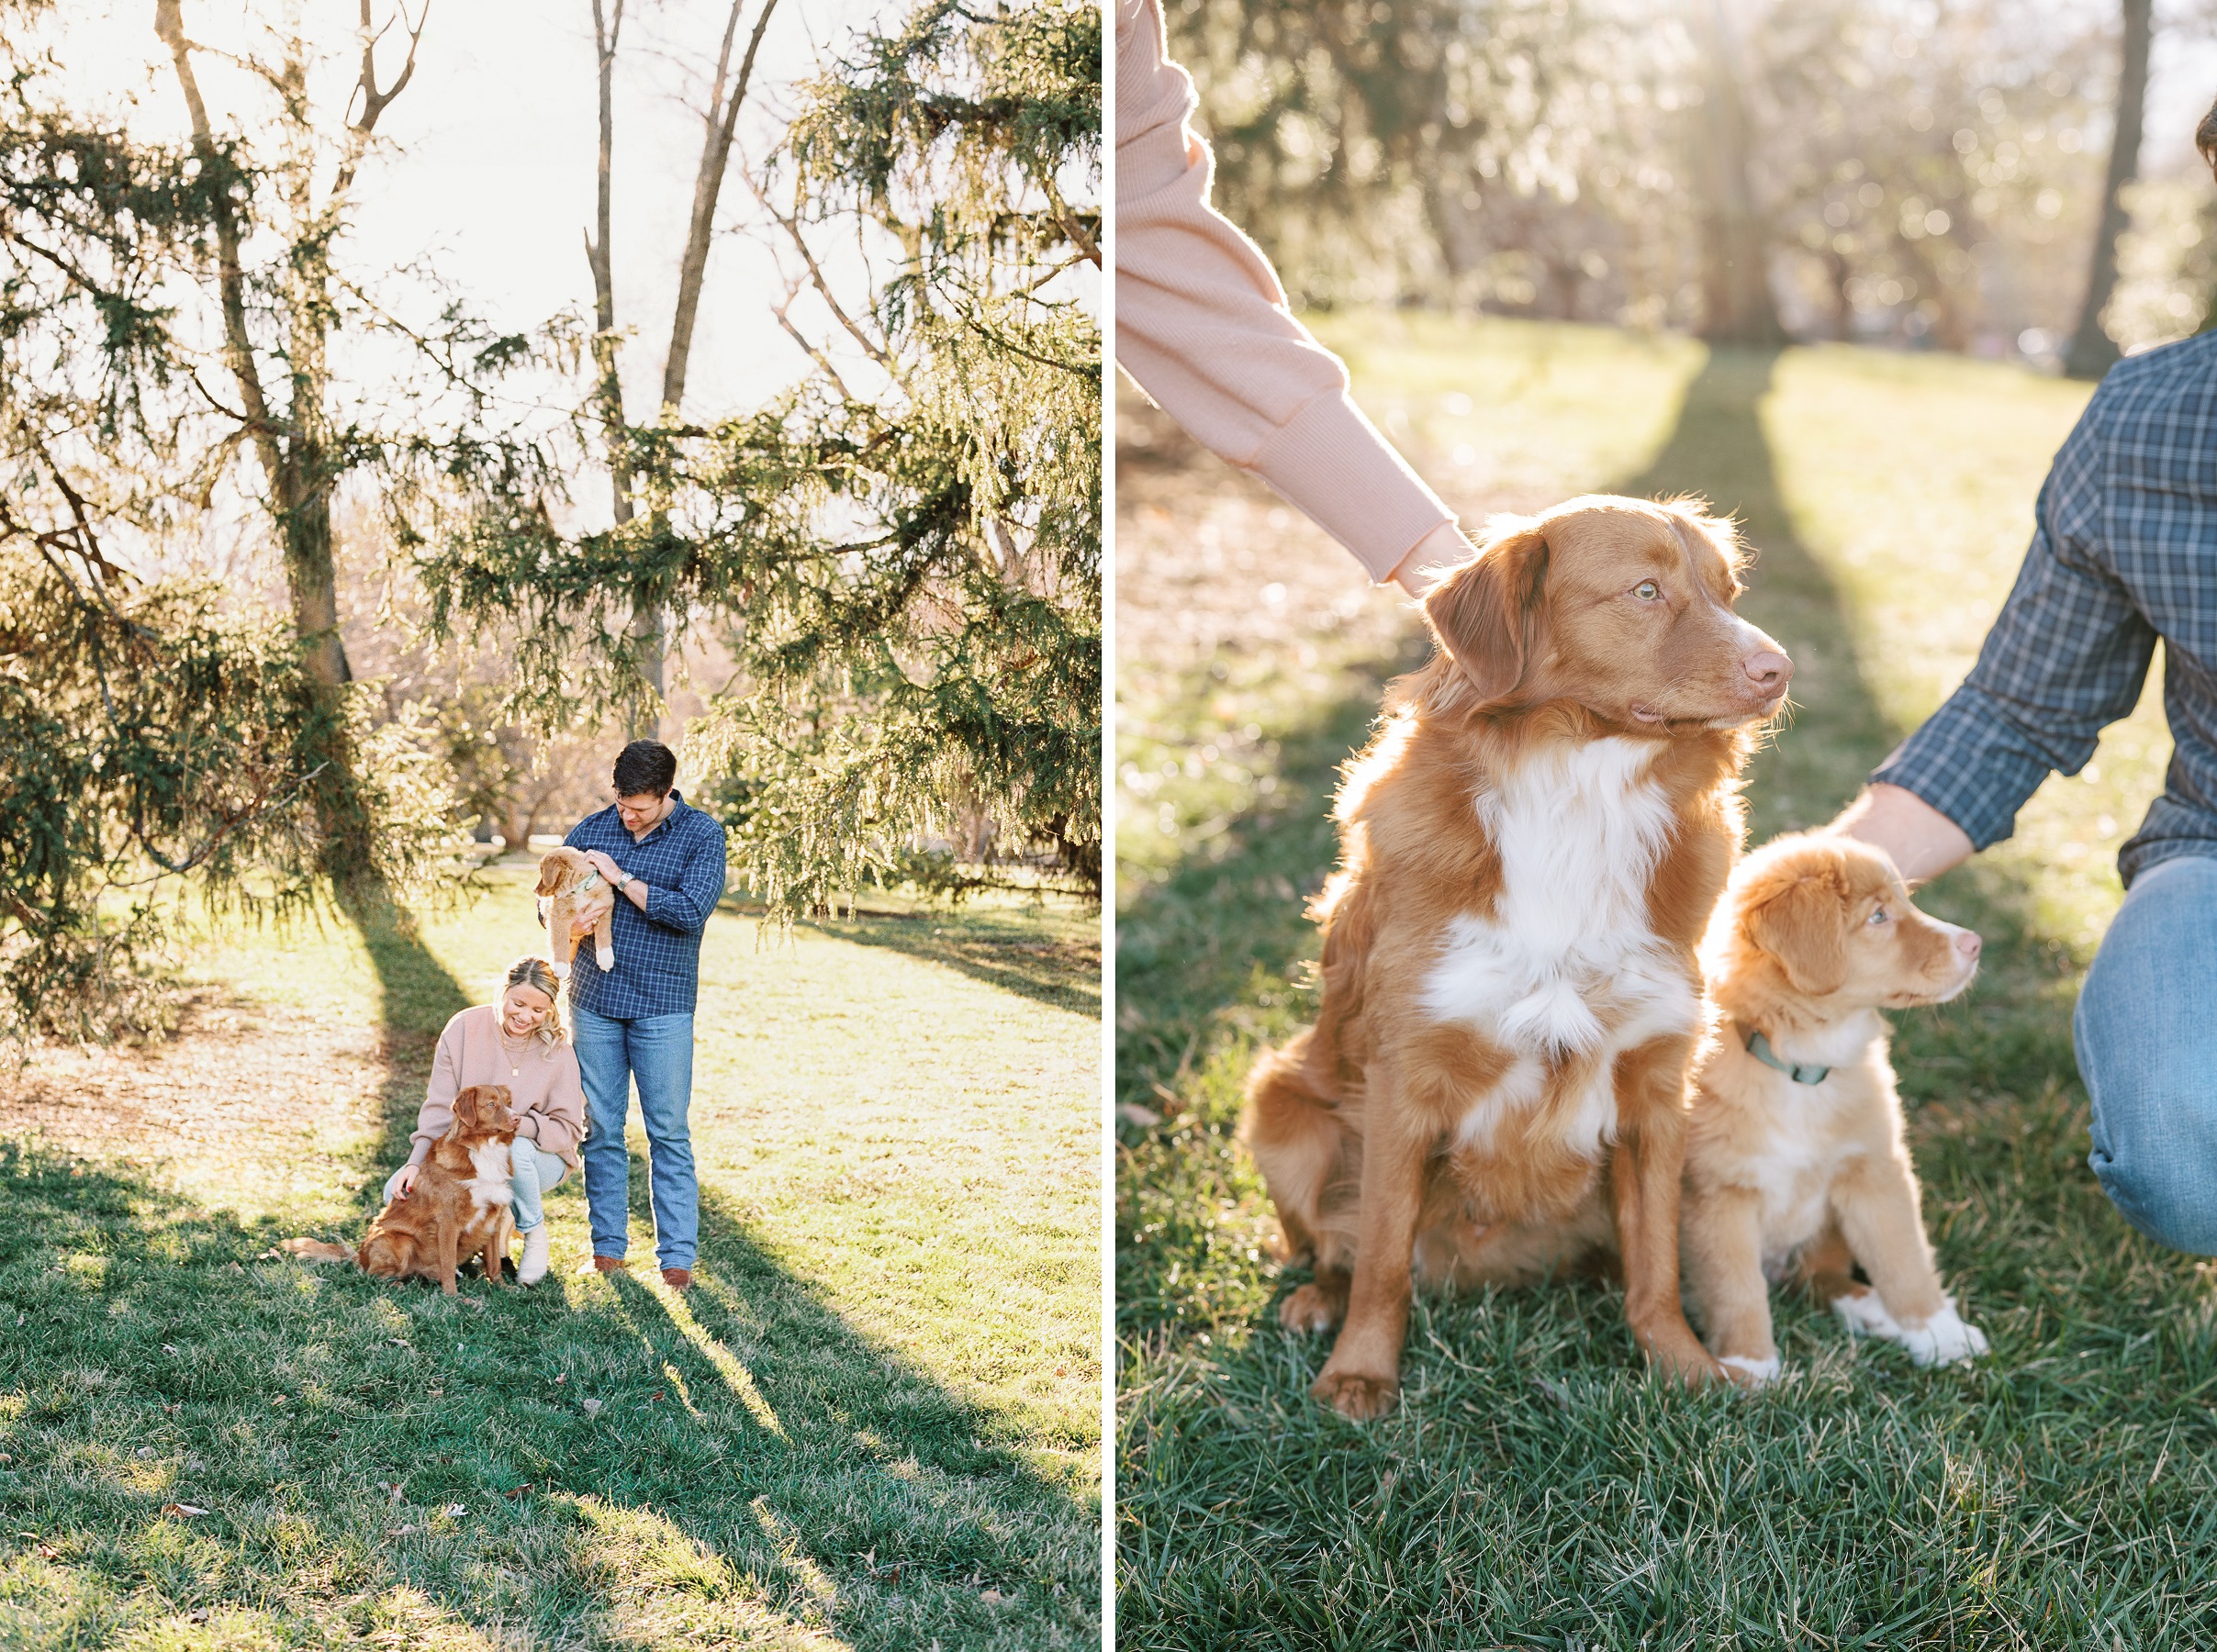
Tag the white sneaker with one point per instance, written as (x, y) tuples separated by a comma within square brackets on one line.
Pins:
[(532, 1268)]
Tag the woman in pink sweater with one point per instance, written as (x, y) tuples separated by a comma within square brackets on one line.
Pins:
[(518, 1043), (1203, 326)]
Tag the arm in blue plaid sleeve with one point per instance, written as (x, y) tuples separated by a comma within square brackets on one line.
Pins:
[(686, 908), (2067, 657)]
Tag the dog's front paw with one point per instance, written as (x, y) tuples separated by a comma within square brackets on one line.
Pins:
[(1944, 1339), (562, 972), (606, 957), (1311, 1308), (1748, 1372), (1358, 1399), (1865, 1315)]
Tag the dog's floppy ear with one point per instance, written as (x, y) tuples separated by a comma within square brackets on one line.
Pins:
[(550, 873), (467, 1121), (1804, 926), (1485, 615)]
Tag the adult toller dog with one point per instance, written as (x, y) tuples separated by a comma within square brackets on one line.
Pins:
[(1530, 847), (459, 1208), (1795, 1159), (580, 895)]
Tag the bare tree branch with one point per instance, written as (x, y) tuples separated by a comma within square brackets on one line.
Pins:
[(793, 227)]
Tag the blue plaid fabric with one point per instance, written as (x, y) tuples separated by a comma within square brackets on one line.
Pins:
[(658, 950), (2124, 551)]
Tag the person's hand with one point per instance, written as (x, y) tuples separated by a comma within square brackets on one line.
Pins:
[(582, 925), (404, 1183), (603, 863)]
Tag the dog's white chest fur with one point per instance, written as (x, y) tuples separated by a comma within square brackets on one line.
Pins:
[(489, 1182), (1566, 970)]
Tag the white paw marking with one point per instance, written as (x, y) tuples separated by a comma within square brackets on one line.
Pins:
[(1866, 1316), (1760, 1373), (1943, 1339), (606, 957), (562, 972)]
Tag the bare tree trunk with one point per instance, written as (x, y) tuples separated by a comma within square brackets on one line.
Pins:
[(721, 124), (296, 451), (2093, 350), (1737, 306), (645, 628)]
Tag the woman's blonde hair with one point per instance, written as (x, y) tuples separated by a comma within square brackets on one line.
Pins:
[(538, 973)]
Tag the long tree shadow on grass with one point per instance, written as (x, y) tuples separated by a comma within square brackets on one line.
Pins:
[(749, 1464), (417, 995)]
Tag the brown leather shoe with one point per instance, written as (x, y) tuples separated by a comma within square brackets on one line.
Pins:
[(677, 1279), (606, 1265)]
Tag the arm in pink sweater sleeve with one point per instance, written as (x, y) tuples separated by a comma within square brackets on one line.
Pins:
[(559, 1121), (1201, 325)]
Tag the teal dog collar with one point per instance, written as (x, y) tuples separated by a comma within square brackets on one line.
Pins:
[(1760, 1048)]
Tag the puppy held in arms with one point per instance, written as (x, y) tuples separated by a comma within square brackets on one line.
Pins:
[(1530, 847), (1795, 1159), (580, 896), (460, 1207)]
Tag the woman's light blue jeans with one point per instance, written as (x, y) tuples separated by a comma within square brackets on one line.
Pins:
[(657, 1052), (2147, 1032), (531, 1173)]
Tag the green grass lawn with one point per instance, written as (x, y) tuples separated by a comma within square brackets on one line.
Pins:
[(1534, 1489), (875, 1422)]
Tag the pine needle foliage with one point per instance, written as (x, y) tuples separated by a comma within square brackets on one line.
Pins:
[(162, 740), (901, 552)]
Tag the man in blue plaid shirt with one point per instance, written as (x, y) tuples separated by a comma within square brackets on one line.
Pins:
[(2124, 551), (634, 1022)]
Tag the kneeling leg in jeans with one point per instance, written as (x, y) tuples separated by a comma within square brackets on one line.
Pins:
[(2147, 1048), (532, 1174)]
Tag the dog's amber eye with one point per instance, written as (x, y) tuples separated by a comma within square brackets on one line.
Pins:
[(1647, 590)]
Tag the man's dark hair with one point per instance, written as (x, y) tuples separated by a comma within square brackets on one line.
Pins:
[(645, 766), (2205, 138)]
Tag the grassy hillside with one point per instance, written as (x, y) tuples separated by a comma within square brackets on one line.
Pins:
[(1534, 1489), (874, 1422)]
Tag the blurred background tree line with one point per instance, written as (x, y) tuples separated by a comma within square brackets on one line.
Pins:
[(1942, 173), (311, 570)]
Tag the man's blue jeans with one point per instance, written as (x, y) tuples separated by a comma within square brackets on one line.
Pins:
[(2146, 1032), (656, 1051)]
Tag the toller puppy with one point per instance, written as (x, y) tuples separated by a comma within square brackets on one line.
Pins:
[(1795, 1160), (459, 1209), (579, 893)]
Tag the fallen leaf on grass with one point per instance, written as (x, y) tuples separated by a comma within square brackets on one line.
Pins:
[(1131, 1112), (523, 1491), (199, 1614), (168, 1348), (592, 1407), (233, 1268), (406, 1531), (455, 1510), (993, 1597), (47, 1551), (187, 1510)]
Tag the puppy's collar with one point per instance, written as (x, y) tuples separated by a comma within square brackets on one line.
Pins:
[(1760, 1048), (592, 877)]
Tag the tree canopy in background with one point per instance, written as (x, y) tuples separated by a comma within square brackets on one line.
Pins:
[(894, 563), (1920, 174), (901, 555)]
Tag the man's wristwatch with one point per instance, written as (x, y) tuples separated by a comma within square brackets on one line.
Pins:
[(623, 881)]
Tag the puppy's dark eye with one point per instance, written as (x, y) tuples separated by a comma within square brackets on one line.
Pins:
[(1647, 590)]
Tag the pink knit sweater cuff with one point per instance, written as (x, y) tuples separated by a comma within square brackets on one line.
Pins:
[(1330, 464)]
